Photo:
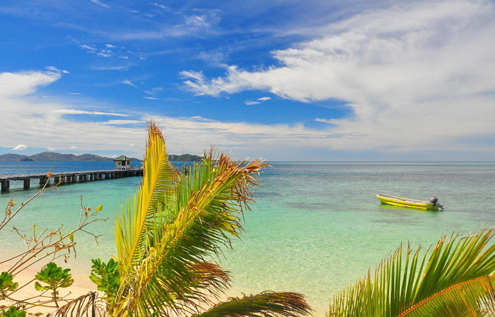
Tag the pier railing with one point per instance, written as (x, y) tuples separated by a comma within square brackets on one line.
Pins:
[(66, 177)]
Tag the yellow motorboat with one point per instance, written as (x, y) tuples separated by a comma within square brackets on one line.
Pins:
[(433, 204)]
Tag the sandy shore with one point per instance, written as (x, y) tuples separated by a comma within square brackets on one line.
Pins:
[(82, 285)]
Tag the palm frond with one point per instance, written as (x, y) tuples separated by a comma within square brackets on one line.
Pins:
[(211, 278), (406, 278), (211, 283), (86, 305), (145, 211), (472, 298), (210, 201), (266, 304), (173, 224)]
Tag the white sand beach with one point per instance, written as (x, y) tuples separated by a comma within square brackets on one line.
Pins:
[(26, 290)]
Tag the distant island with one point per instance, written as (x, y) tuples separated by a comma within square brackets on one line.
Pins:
[(52, 156)]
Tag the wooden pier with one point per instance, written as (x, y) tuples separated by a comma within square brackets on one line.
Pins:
[(67, 177)]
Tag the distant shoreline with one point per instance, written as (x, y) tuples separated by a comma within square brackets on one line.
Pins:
[(52, 156)]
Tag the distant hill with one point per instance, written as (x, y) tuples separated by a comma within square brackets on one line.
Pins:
[(52, 156), (184, 158), (14, 157)]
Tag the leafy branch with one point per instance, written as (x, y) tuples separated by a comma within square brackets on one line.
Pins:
[(42, 246)]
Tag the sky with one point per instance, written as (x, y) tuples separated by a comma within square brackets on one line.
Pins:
[(292, 80)]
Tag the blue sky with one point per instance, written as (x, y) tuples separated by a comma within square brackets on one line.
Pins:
[(315, 80)]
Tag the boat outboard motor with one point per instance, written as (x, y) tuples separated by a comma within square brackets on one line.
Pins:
[(434, 201)]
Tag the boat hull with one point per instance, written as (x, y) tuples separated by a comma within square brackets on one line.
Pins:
[(407, 202)]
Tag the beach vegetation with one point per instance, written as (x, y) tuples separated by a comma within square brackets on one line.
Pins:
[(13, 311), (7, 283), (453, 278), (54, 277), (169, 233), (41, 245), (106, 278)]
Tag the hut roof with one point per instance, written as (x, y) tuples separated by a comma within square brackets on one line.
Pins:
[(122, 158)]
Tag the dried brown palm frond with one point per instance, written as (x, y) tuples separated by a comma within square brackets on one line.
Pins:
[(86, 305)]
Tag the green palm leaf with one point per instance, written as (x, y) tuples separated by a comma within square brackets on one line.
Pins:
[(406, 277), (173, 223), (472, 298), (145, 211)]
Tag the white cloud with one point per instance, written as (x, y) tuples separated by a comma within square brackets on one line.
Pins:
[(19, 84), (121, 122), (251, 103), (324, 120), (216, 58), (260, 100), (105, 53), (418, 76), (89, 48), (122, 67), (56, 70), (42, 125), (95, 113), (20, 147), (100, 3), (278, 142), (154, 91), (47, 128), (197, 20), (161, 6), (128, 82), (235, 81)]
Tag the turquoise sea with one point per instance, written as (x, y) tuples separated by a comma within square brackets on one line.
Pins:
[(315, 227)]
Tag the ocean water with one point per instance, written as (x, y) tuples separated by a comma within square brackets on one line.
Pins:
[(314, 227)]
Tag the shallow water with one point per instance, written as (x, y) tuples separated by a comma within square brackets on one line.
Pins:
[(315, 227)]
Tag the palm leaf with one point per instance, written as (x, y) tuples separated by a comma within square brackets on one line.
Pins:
[(86, 305), (266, 304), (173, 224), (472, 298), (406, 278), (140, 216)]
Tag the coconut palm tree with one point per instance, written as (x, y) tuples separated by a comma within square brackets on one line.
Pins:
[(455, 279), (169, 233)]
